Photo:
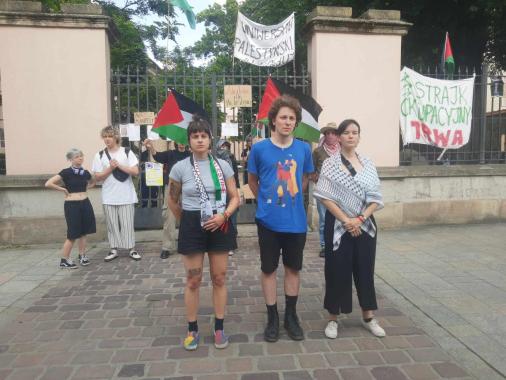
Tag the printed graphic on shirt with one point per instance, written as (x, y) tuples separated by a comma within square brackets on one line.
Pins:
[(285, 186)]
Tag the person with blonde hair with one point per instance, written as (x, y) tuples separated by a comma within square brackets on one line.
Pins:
[(78, 210), (115, 166)]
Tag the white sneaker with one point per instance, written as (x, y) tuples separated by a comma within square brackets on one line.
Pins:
[(374, 327), (331, 330), (111, 256), (134, 255), (231, 253)]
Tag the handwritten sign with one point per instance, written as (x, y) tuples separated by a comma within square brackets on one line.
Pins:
[(435, 112), (229, 129), (265, 45), (143, 118), (238, 95)]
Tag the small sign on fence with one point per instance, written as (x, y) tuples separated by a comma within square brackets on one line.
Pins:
[(238, 95), (154, 174), (143, 118)]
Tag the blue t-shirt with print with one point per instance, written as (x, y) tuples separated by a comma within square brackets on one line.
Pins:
[(279, 170)]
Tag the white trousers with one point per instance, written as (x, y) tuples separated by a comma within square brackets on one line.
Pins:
[(120, 225)]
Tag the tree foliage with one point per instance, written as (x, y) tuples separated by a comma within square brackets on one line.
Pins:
[(477, 28)]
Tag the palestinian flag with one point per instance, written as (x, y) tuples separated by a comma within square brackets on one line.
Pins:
[(448, 63), (258, 130), (308, 128), (175, 115)]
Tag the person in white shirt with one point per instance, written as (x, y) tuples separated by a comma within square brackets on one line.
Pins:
[(115, 166)]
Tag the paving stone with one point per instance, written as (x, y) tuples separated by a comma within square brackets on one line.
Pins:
[(166, 341), (92, 357), (125, 356), (199, 366), (365, 344), (54, 373), (312, 361), (297, 375), (396, 342), (239, 364), (283, 348), (419, 341), (132, 370), (260, 376), (94, 372), (449, 370), (278, 363), (29, 360), (368, 358), (325, 374), (388, 373), (162, 369), (25, 373), (427, 355), (395, 357), (419, 371), (354, 374), (153, 354), (252, 349), (339, 359), (181, 353), (71, 325)]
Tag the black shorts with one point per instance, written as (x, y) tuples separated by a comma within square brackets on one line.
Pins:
[(273, 244), (193, 238), (80, 218)]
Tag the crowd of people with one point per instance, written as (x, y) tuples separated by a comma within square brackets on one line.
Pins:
[(202, 194)]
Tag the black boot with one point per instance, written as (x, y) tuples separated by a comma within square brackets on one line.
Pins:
[(292, 325), (271, 332)]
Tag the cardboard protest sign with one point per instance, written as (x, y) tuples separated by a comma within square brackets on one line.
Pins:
[(144, 118), (237, 95), (265, 45), (435, 112)]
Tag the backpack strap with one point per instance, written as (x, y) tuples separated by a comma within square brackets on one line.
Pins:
[(101, 153)]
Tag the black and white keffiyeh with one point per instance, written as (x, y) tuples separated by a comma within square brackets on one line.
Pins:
[(352, 194)]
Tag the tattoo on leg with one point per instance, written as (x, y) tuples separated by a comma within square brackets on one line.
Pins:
[(194, 272)]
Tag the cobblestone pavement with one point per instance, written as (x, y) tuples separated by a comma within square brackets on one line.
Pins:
[(125, 319)]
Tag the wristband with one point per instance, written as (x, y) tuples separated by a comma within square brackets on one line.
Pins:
[(226, 215), (362, 218)]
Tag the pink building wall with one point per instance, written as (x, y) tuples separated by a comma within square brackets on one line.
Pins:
[(56, 95)]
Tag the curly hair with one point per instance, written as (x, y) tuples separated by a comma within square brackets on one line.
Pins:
[(284, 101), (111, 131)]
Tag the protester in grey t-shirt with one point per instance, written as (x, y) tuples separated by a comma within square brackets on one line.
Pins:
[(206, 187), (182, 172)]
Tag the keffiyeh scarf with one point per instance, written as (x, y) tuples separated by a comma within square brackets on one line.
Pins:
[(206, 208), (352, 194)]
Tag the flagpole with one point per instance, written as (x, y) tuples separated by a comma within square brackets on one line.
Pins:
[(441, 155)]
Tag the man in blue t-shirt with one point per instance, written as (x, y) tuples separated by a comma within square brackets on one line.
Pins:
[(278, 171)]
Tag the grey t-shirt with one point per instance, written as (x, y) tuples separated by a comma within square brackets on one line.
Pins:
[(182, 172)]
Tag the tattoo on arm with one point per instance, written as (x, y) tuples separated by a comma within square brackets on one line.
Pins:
[(174, 190), (194, 272)]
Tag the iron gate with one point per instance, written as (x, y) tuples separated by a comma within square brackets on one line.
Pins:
[(134, 90)]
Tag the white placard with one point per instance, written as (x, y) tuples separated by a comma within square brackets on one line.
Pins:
[(265, 45), (435, 112), (134, 132), (123, 130), (154, 174), (152, 135), (229, 129)]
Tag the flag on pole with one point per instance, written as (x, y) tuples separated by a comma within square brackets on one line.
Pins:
[(448, 63), (187, 9), (175, 115), (258, 130), (308, 128)]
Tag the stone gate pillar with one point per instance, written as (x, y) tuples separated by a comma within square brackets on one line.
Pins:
[(55, 70), (354, 65)]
